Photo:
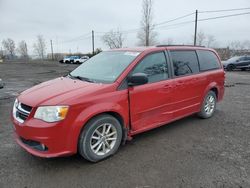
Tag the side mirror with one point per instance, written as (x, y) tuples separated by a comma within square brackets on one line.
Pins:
[(137, 79)]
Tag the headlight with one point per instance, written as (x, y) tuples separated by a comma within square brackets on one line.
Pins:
[(14, 107), (51, 113)]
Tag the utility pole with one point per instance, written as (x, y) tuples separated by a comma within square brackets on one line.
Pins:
[(51, 45), (26, 49), (195, 30), (93, 42)]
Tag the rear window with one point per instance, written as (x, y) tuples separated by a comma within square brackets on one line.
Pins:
[(184, 62), (208, 60)]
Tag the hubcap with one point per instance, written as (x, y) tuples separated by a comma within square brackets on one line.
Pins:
[(103, 139), (210, 104)]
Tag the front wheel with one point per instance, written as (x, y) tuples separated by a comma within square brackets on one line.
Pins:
[(100, 138), (208, 105)]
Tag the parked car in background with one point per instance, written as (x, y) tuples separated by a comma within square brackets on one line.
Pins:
[(70, 59), (237, 62), (1, 84), (81, 60), (114, 96)]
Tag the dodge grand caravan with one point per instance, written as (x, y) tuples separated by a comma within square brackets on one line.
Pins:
[(114, 96)]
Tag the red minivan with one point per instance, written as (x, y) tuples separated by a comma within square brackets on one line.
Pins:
[(115, 95)]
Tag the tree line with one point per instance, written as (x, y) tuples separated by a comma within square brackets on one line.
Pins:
[(10, 50)]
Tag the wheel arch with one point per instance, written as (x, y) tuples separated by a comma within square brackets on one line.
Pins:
[(212, 87), (114, 114), (216, 91), (88, 114)]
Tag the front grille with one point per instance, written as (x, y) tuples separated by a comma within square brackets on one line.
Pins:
[(26, 107), (23, 116), (21, 112)]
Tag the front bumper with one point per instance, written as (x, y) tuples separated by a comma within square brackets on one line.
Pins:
[(43, 139)]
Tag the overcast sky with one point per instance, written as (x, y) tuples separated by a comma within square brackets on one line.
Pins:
[(66, 21)]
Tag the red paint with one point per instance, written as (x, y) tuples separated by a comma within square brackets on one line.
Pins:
[(151, 105)]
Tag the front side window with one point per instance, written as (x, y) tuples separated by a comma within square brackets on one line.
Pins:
[(104, 67), (184, 62), (208, 60), (155, 66)]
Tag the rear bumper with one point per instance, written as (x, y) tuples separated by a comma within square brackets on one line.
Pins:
[(54, 138)]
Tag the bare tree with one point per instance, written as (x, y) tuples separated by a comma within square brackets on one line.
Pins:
[(40, 47), (201, 37), (169, 41), (247, 44), (22, 49), (210, 41), (239, 47), (113, 39), (147, 35), (9, 46)]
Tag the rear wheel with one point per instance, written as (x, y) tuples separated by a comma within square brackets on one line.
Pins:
[(100, 138), (208, 105), (230, 67)]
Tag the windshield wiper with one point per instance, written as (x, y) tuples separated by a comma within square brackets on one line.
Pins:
[(81, 78)]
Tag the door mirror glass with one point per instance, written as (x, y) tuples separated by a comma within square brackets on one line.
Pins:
[(137, 79)]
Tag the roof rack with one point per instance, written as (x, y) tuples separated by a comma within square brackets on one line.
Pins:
[(167, 45)]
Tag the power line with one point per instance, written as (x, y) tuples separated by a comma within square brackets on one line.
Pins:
[(178, 18), (78, 38), (225, 16), (161, 23), (224, 10), (204, 19)]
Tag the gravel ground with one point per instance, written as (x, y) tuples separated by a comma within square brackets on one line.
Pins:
[(188, 153)]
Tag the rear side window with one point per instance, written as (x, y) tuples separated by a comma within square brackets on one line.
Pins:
[(155, 66), (184, 62), (208, 60)]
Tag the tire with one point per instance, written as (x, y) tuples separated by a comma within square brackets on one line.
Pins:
[(67, 62), (208, 106), (93, 142), (243, 69), (230, 67)]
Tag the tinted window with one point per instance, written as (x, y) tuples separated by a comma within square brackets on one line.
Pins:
[(246, 58), (184, 62), (155, 66), (208, 60)]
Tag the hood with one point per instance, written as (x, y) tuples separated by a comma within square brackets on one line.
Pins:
[(60, 91)]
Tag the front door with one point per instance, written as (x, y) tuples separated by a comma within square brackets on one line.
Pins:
[(150, 104)]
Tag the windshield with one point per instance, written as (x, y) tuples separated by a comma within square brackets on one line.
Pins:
[(105, 67)]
